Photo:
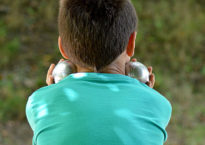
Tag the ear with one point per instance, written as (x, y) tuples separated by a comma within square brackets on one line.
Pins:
[(63, 53), (131, 44)]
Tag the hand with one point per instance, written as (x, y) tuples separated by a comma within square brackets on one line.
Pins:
[(151, 78), (49, 78), (151, 75)]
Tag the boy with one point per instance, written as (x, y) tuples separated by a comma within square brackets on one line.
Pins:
[(98, 105)]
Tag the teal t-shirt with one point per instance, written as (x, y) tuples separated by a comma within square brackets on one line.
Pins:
[(98, 109)]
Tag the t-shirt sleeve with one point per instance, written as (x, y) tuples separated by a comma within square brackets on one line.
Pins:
[(29, 112), (162, 109), (164, 113)]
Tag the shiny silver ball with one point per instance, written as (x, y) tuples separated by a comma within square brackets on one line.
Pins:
[(62, 70), (137, 70)]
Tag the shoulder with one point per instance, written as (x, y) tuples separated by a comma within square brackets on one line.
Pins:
[(164, 107), (158, 97), (40, 95), (35, 100), (158, 102), (45, 91), (49, 93)]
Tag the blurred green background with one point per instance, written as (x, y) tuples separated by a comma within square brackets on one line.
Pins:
[(171, 38)]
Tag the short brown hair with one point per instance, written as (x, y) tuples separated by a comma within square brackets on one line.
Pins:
[(95, 32)]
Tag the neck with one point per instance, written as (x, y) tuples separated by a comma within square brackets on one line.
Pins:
[(112, 68), (116, 67)]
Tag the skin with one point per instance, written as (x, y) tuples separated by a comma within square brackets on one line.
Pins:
[(116, 67)]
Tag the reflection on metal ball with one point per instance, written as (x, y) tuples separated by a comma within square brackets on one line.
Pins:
[(62, 70), (137, 70), (133, 69)]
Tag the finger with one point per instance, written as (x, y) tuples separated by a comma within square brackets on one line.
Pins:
[(152, 80), (150, 70), (50, 80), (134, 60), (61, 60), (151, 77), (50, 70), (148, 83)]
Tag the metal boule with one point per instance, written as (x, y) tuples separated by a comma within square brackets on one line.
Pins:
[(137, 70), (62, 70)]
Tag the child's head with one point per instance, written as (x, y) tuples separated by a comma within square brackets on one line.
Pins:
[(95, 32)]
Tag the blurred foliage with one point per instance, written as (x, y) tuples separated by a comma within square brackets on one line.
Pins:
[(171, 38)]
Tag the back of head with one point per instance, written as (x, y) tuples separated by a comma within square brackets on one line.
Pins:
[(95, 32)]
